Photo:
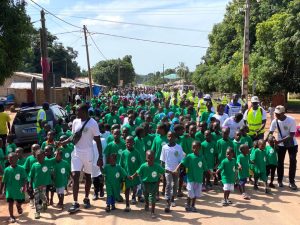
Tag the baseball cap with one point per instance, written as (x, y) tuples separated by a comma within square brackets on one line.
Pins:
[(279, 109), (254, 99), (77, 97), (207, 96)]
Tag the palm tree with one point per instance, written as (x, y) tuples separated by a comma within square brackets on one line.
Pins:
[(182, 71)]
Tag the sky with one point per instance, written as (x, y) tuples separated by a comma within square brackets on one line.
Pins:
[(193, 20)]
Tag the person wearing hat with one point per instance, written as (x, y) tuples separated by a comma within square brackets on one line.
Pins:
[(286, 141), (233, 107), (202, 104), (41, 116), (255, 118)]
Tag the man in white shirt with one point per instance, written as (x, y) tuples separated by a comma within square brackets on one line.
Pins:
[(82, 156), (286, 127), (234, 123), (171, 156), (220, 115)]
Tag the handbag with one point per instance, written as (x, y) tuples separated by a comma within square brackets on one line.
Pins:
[(289, 142), (77, 135)]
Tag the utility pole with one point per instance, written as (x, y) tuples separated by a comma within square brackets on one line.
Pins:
[(44, 59), (246, 69), (119, 72), (163, 75), (88, 62)]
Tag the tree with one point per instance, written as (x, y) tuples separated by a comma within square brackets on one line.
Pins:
[(106, 72), (15, 30), (183, 71)]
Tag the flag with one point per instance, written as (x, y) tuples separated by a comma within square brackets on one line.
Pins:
[(45, 67)]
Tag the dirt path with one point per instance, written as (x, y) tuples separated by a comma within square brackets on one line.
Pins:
[(281, 207)]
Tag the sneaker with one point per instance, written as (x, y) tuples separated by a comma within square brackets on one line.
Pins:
[(95, 197), (127, 209), (173, 204), (12, 220), (74, 208), (224, 202), (271, 185), (107, 208), (86, 203), (188, 208), (194, 209), (101, 194), (245, 196), (229, 202), (280, 184), (133, 201), (37, 216), (293, 186)]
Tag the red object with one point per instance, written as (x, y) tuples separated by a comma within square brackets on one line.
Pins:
[(297, 134), (45, 67), (246, 70)]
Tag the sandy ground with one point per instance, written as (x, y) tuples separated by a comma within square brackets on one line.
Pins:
[(282, 206)]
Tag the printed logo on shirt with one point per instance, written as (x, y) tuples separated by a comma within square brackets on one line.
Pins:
[(162, 144), (154, 174), (45, 169), (114, 121), (211, 150), (117, 175), (285, 127), (17, 176), (133, 159), (149, 143), (200, 164), (246, 143), (271, 151), (265, 159), (133, 133), (63, 170), (233, 169), (67, 155), (176, 153), (120, 151), (9, 150)]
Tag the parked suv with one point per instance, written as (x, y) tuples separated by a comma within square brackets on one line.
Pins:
[(24, 124)]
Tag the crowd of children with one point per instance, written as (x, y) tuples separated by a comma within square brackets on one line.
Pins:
[(145, 142)]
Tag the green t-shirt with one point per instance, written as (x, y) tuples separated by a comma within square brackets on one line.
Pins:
[(40, 173), (66, 153), (216, 136), (115, 148), (150, 173), (113, 177), (30, 160), (45, 143), (139, 121), (21, 161), (139, 145), (199, 136), (42, 136), (131, 129), (148, 140), (122, 110), (2, 159), (272, 158), (153, 110), (222, 146), (158, 142), (259, 159), (14, 179), (110, 138), (209, 152), (236, 148), (247, 140), (112, 119), (186, 142), (227, 168), (10, 148), (243, 160), (61, 173), (196, 166)]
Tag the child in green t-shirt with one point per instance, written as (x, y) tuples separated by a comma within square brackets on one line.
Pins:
[(237, 143), (196, 166), (66, 149), (272, 159), (116, 146), (58, 128), (200, 134), (21, 158), (150, 173), (10, 146), (223, 144), (139, 143), (227, 169), (246, 139), (50, 189), (130, 161), (61, 176), (259, 159), (243, 167), (14, 180), (50, 140), (42, 135), (114, 175)]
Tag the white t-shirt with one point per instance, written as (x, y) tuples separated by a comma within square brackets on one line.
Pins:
[(96, 169), (264, 114), (229, 122), (91, 130), (286, 127), (221, 118), (171, 156)]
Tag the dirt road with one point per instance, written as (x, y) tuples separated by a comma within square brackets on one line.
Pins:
[(281, 207)]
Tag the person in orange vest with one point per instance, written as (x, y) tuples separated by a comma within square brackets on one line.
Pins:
[(255, 118)]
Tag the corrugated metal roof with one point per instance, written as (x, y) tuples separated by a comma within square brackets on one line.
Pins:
[(25, 85)]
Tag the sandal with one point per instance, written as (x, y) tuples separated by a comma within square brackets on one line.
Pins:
[(12, 220), (224, 203)]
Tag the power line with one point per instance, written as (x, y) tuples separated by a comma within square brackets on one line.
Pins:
[(54, 15), (140, 24), (68, 32), (97, 46), (146, 40)]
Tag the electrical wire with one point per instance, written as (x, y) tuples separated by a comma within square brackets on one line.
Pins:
[(68, 32), (146, 40), (97, 47)]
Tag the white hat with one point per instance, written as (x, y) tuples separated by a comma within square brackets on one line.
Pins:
[(279, 109), (254, 99), (207, 96), (77, 97)]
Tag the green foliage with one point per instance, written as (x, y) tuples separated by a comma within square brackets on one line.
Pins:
[(15, 30), (274, 48), (106, 72)]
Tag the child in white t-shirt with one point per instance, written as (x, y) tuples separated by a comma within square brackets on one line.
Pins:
[(171, 156)]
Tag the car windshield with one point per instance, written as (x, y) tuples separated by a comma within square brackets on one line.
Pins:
[(29, 116)]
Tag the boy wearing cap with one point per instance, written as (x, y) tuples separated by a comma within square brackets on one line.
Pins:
[(286, 127), (255, 118)]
